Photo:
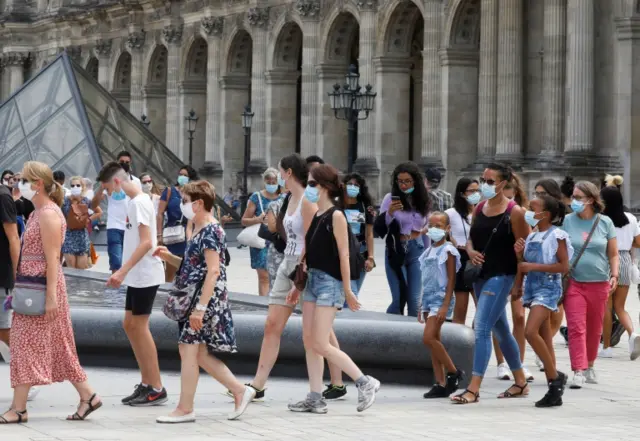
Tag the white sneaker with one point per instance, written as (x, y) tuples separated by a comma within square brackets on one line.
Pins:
[(591, 376), (504, 373), (5, 353), (634, 346), (168, 419), (33, 393), (578, 380), (249, 394), (528, 375), (605, 353), (539, 364)]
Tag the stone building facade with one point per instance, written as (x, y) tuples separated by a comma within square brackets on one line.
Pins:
[(548, 85)]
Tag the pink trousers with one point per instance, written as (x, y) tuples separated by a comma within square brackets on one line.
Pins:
[(584, 305)]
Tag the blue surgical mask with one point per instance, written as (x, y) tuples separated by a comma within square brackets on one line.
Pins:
[(183, 180), (271, 188), (281, 182), (577, 206), (409, 190), (436, 234), (529, 217), (488, 191), (119, 195), (353, 190), (474, 198), (312, 194)]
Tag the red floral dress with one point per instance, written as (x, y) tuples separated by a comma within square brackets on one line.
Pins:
[(41, 352)]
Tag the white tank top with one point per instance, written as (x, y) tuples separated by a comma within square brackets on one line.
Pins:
[(294, 227)]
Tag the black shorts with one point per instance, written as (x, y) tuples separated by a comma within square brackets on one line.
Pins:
[(140, 300), (460, 285)]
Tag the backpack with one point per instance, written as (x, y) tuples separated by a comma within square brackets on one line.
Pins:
[(78, 216)]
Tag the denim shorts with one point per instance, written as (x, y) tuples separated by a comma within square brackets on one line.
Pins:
[(115, 239), (431, 304), (542, 289), (323, 290)]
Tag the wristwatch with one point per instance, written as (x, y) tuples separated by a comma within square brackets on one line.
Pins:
[(200, 307)]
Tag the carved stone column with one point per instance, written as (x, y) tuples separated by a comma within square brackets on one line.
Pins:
[(258, 19), (212, 27), (13, 63), (366, 162), (172, 36), (488, 80), (135, 43), (309, 11), (510, 94), (102, 52), (580, 76), (555, 16), (431, 154), (281, 113)]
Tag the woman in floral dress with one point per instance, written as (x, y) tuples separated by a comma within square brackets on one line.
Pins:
[(209, 329), (43, 349)]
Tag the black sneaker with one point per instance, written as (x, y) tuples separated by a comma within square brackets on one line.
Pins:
[(150, 397), (139, 389), (453, 381), (616, 333), (334, 392), (259, 393), (565, 333), (437, 391), (549, 400)]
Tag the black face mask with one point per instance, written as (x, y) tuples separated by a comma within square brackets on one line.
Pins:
[(126, 166)]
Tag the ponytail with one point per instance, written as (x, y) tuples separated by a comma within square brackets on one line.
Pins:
[(57, 194)]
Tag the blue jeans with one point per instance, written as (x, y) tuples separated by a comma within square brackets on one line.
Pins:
[(493, 295), (115, 239), (413, 277)]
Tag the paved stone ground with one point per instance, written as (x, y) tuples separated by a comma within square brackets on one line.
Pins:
[(608, 410)]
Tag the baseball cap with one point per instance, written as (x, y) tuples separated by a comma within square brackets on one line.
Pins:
[(433, 175)]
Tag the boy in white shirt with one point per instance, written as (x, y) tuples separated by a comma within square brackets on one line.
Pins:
[(142, 274)]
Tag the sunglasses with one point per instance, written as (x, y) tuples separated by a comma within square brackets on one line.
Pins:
[(537, 194), (76, 186), (312, 183), (488, 181)]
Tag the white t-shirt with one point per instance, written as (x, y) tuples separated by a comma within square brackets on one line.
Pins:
[(626, 234), (117, 210), (149, 271), (459, 228)]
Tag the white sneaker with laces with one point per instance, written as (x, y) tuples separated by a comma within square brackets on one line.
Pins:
[(591, 376), (5, 353), (504, 373), (634, 346), (605, 353), (578, 380)]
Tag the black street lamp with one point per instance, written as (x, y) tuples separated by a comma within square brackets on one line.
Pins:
[(146, 122), (247, 118), (351, 104), (192, 120)]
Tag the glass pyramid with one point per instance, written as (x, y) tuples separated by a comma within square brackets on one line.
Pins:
[(64, 118)]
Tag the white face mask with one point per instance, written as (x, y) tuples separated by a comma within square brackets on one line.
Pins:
[(5, 182), (187, 210), (26, 191), (76, 191), (147, 187)]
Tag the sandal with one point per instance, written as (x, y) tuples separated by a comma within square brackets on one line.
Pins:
[(92, 408), (22, 417), (521, 394), (460, 399)]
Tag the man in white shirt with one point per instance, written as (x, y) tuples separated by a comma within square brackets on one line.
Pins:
[(142, 273), (116, 213)]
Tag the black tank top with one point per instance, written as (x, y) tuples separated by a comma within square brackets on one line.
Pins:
[(320, 245), (500, 257)]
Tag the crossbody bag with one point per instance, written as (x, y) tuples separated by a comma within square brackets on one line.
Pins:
[(176, 233), (567, 276)]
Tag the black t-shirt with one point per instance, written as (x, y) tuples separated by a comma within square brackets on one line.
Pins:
[(358, 217), (24, 208), (500, 257), (7, 216)]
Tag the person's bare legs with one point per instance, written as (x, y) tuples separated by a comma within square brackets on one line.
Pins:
[(4, 334), (315, 362), (517, 315), (144, 348), (277, 318), (189, 376), (607, 323), (461, 307), (71, 260), (619, 300), (439, 356), (336, 373), (221, 373), (537, 317), (263, 282), (555, 322), (19, 403), (86, 393), (82, 262), (547, 336)]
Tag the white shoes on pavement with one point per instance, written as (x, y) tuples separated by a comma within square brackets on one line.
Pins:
[(634, 346), (504, 373), (33, 393), (605, 353), (578, 380), (168, 419)]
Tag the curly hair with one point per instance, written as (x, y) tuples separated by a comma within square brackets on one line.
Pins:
[(364, 195), (420, 197)]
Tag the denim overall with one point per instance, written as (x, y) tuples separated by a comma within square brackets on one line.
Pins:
[(542, 289), (432, 292)]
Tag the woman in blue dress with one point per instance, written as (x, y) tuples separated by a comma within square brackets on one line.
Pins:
[(77, 213), (169, 205), (255, 214)]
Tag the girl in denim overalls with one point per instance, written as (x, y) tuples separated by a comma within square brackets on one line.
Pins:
[(546, 255), (439, 265)]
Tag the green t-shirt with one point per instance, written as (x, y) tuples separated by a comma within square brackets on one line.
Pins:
[(593, 266)]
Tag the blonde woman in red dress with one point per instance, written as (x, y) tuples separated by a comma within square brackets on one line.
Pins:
[(43, 350)]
